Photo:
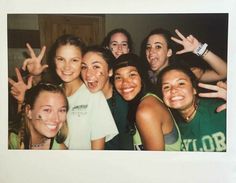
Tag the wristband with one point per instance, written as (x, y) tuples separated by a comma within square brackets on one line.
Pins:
[(24, 73), (200, 49)]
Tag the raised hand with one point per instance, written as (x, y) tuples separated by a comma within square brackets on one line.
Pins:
[(190, 43), (221, 92), (19, 87), (34, 63)]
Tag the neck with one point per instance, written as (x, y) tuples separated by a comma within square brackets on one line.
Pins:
[(37, 140), (107, 90), (71, 87), (189, 113), (165, 65)]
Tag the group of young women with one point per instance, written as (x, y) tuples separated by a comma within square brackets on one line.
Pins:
[(115, 100)]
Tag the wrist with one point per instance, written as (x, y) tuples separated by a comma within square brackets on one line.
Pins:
[(201, 49)]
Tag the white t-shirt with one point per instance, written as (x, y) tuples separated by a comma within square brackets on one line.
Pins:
[(89, 118)]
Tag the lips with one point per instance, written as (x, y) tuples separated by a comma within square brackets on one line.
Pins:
[(52, 126), (177, 98), (92, 84)]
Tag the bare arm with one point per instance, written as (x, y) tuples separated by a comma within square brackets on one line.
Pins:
[(221, 92), (218, 65), (98, 144), (149, 125), (19, 87)]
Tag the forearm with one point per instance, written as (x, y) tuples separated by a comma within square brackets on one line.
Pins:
[(98, 144), (217, 64)]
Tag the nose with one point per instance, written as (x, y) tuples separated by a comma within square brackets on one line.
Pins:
[(125, 81), (55, 117), (89, 72), (119, 47), (173, 89), (67, 65)]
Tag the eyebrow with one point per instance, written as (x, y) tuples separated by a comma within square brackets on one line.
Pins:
[(155, 43), (117, 41)]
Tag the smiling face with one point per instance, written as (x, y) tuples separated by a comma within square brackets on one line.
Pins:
[(118, 44), (157, 52), (95, 71), (68, 62), (177, 89), (47, 115), (127, 82)]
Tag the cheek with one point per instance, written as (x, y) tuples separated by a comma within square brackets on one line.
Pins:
[(117, 84), (166, 98)]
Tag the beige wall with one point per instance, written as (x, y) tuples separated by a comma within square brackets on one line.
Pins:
[(210, 29)]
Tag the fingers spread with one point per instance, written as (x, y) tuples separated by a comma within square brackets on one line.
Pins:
[(31, 51)]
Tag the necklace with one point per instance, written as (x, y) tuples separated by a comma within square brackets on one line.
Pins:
[(191, 116), (39, 144)]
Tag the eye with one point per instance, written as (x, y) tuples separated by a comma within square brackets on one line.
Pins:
[(62, 110), (96, 67), (75, 60), (117, 78), (83, 67), (47, 110), (59, 59), (124, 44), (114, 44), (181, 83), (158, 46), (148, 47), (133, 74), (165, 87)]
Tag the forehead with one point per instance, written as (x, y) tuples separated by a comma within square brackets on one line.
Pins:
[(156, 38), (93, 57), (126, 69), (175, 75), (119, 36), (46, 97), (68, 49)]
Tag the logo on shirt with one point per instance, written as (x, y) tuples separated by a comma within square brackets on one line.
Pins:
[(79, 110)]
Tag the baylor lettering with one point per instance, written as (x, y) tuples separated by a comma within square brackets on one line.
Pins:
[(213, 142)]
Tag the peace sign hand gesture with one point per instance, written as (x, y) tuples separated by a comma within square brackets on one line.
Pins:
[(220, 92), (189, 43), (19, 88), (33, 64)]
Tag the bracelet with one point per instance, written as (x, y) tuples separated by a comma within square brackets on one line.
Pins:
[(200, 50), (204, 54)]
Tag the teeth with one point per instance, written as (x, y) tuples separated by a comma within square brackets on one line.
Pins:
[(127, 90), (52, 127), (177, 98)]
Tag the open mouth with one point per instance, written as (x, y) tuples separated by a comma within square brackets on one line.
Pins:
[(52, 126), (92, 84), (177, 98)]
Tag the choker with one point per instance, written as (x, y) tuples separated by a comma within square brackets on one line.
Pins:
[(39, 144)]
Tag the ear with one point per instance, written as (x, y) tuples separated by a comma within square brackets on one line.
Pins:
[(169, 53), (110, 73), (194, 91), (28, 111)]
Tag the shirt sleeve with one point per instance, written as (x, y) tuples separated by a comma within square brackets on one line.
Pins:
[(103, 124)]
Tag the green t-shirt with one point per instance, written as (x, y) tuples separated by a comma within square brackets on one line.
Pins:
[(14, 142), (207, 131), (119, 110)]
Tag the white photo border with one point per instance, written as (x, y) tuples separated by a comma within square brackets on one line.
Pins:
[(90, 166)]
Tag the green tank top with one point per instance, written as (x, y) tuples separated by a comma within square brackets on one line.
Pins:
[(14, 142), (172, 140)]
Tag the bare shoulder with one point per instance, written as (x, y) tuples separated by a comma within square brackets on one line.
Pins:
[(151, 108)]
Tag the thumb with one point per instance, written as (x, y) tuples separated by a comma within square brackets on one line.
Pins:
[(44, 67), (221, 108), (30, 82)]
